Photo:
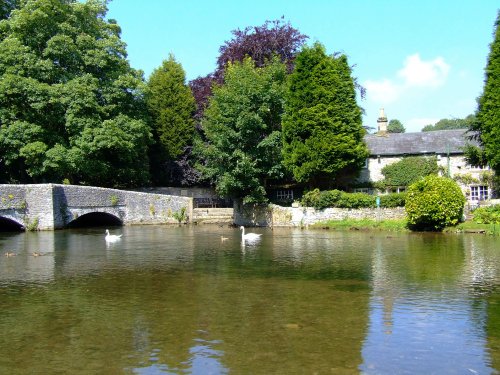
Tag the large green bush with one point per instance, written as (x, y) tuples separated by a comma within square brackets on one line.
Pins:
[(433, 203), (487, 215), (336, 198)]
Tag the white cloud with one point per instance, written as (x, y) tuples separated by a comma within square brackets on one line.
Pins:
[(384, 91), (419, 73), (416, 73)]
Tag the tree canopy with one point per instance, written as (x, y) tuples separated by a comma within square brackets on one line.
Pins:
[(241, 127), (447, 124), (70, 105), (322, 126), (261, 43), (395, 126), (488, 113), (171, 106)]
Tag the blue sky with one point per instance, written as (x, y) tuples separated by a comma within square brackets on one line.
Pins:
[(420, 60)]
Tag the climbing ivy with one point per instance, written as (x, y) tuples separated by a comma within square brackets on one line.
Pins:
[(409, 170)]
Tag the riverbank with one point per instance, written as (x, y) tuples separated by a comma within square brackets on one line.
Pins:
[(400, 225)]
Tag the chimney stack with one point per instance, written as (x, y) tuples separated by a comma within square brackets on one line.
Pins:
[(382, 121)]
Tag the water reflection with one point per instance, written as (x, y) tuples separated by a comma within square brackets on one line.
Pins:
[(424, 302), (176, 300)]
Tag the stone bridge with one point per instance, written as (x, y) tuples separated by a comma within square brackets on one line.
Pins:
[(53, 206)]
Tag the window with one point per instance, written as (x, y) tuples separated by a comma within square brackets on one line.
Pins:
[(284, 195), (481, 167), (479, 193), (396, 189), (365, 166), (362, 190)]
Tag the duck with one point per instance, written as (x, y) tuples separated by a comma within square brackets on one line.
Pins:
[(35, 254), (222, 238), (10, 254), (112, 237), (249, 236)]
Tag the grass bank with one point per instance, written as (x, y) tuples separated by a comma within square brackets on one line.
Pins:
[(363, 224), (400, 226), (472, 227)]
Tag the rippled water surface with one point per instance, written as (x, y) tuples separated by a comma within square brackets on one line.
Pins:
[(180, 300)]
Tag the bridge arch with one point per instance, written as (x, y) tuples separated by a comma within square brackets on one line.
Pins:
[(10, 225), (95, 219)]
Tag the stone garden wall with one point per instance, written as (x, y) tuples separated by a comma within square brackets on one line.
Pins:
[(278, 216)]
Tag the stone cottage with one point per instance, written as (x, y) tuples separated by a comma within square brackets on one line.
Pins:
[(446, 145)]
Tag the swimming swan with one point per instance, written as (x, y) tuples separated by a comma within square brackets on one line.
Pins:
[(249, 236), (112, 237)]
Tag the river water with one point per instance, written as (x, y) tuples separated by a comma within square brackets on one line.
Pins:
[(180, 300)]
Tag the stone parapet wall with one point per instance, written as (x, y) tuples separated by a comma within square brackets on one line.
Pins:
[(273, 215), (28, 205), (12, 196), (53, 206), (144, 208), (129, 206)]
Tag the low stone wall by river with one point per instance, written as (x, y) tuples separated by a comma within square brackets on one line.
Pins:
[(212, 216), (277, 216)]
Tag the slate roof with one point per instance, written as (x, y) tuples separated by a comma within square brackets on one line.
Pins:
[(433, 142)]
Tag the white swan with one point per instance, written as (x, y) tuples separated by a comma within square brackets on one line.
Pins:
[(249, 236), (112, 237)]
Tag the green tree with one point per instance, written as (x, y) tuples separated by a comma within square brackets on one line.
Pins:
[(447, 124), (6, 6), (241, 127), (487, 125), (395, 126), (70, 105), (322, 126), (171, 106), (433, 203)]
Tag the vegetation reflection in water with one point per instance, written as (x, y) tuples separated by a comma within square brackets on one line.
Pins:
[(180, 300)]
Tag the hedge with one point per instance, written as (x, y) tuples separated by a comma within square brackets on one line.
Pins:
[(340, 199)]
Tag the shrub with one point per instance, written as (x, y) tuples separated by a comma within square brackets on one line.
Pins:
[(433, 203), (487, 215), (356, 200), (336, 198), (180, 215), (393, 200)]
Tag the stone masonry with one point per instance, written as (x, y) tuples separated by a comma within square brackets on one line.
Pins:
[(53, 206)]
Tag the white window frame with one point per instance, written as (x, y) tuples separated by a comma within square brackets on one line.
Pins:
[(479, 192)]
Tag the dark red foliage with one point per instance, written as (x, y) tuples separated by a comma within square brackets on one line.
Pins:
[(201, 88), (261, 43)]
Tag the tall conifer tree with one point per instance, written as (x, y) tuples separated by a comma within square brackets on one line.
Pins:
[(322, 126), (171, 106), (488, 113)]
